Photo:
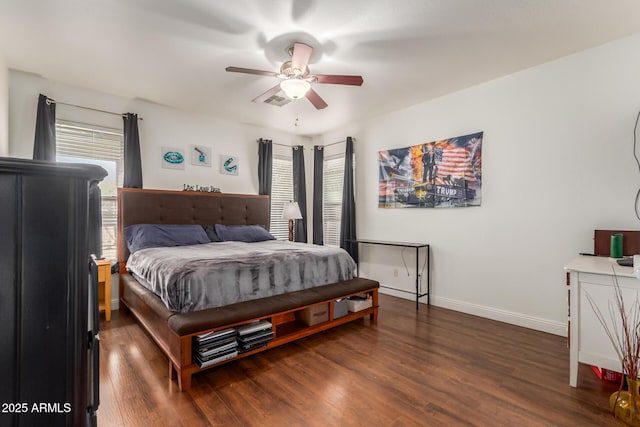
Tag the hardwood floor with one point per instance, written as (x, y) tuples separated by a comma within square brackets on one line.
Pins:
[(436, 367)]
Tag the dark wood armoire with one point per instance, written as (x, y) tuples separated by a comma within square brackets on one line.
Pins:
[(48, 337)]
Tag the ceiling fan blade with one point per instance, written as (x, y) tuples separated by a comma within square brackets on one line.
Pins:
[(315, 99), (268, 94), (338, 80), (300, 56), (250, 71)]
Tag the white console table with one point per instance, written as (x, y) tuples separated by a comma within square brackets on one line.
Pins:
[(588, 341)]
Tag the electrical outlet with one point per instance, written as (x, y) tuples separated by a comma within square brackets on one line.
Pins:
[(395, 272)]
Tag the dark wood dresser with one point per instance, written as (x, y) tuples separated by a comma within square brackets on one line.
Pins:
[(46, 331)]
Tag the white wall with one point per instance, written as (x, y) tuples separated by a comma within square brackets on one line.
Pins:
[(4, 107), (161, 126), (557, 164)]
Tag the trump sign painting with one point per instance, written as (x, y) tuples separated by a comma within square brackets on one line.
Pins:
[(437, 174)]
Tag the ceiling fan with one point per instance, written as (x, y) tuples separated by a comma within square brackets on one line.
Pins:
[(297, 79)]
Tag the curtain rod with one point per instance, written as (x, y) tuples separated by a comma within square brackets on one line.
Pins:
[(89, 108), (275, 143), (323, 146), (283, 145), (333, 143), (336, 143)]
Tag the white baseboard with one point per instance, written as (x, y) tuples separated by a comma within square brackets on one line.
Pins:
[(513, 318)]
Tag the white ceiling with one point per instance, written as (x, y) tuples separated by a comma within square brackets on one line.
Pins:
[(174, 52)]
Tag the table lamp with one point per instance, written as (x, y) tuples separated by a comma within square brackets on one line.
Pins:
[(290, 212)]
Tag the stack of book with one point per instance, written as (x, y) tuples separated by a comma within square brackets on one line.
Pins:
[(214, 347), (254, 335)]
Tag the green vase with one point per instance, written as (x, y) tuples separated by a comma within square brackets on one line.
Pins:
[(616, 246), (626, 404)]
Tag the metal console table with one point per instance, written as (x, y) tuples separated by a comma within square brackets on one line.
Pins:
[(417, 247)]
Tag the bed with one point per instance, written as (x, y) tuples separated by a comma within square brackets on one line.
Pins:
[(176, 330)]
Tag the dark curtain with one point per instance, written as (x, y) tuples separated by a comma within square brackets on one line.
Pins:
[(132, 160), (300, 194), (265, 160), (348, 216), (95, 219), (318, 166), (44, 144)]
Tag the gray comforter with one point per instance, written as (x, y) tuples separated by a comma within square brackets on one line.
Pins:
[(190, 278)]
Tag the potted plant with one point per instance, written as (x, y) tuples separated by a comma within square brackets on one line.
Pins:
[(624, 333)]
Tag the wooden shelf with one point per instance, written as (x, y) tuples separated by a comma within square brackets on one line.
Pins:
[(287, 329)]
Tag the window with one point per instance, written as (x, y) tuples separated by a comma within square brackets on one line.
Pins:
[(281, 192), (333, 171), (83, 143)]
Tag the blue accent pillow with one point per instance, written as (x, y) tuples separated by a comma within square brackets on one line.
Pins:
[(243, 233), (142, 236)]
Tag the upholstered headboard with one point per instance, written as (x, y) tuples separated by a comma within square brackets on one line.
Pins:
[(140, 206)]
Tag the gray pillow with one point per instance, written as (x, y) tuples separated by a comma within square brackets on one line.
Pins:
[(142, 236), (243, 233)]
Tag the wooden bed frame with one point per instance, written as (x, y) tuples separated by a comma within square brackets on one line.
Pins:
[(174, 332)]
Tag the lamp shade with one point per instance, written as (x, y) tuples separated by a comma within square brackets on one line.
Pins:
[(295, 88), (291, 211)]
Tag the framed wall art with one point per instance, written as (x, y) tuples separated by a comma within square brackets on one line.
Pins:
[(200, 155), (229, 165), (437, 174), (173, 158)]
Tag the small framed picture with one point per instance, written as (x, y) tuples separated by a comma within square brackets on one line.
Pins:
[(172, 158), (229, 165), (200, 155)]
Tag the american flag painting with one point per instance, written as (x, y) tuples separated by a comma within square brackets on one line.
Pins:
[(437, 174)]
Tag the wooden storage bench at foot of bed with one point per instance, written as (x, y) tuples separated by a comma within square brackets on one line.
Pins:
[(174, 332)]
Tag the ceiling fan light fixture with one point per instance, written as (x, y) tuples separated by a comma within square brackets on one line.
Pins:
[(297, 79), (295, 88)]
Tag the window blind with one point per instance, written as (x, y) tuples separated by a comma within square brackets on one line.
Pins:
[(333, 170), (281, 192), (84, 143)]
